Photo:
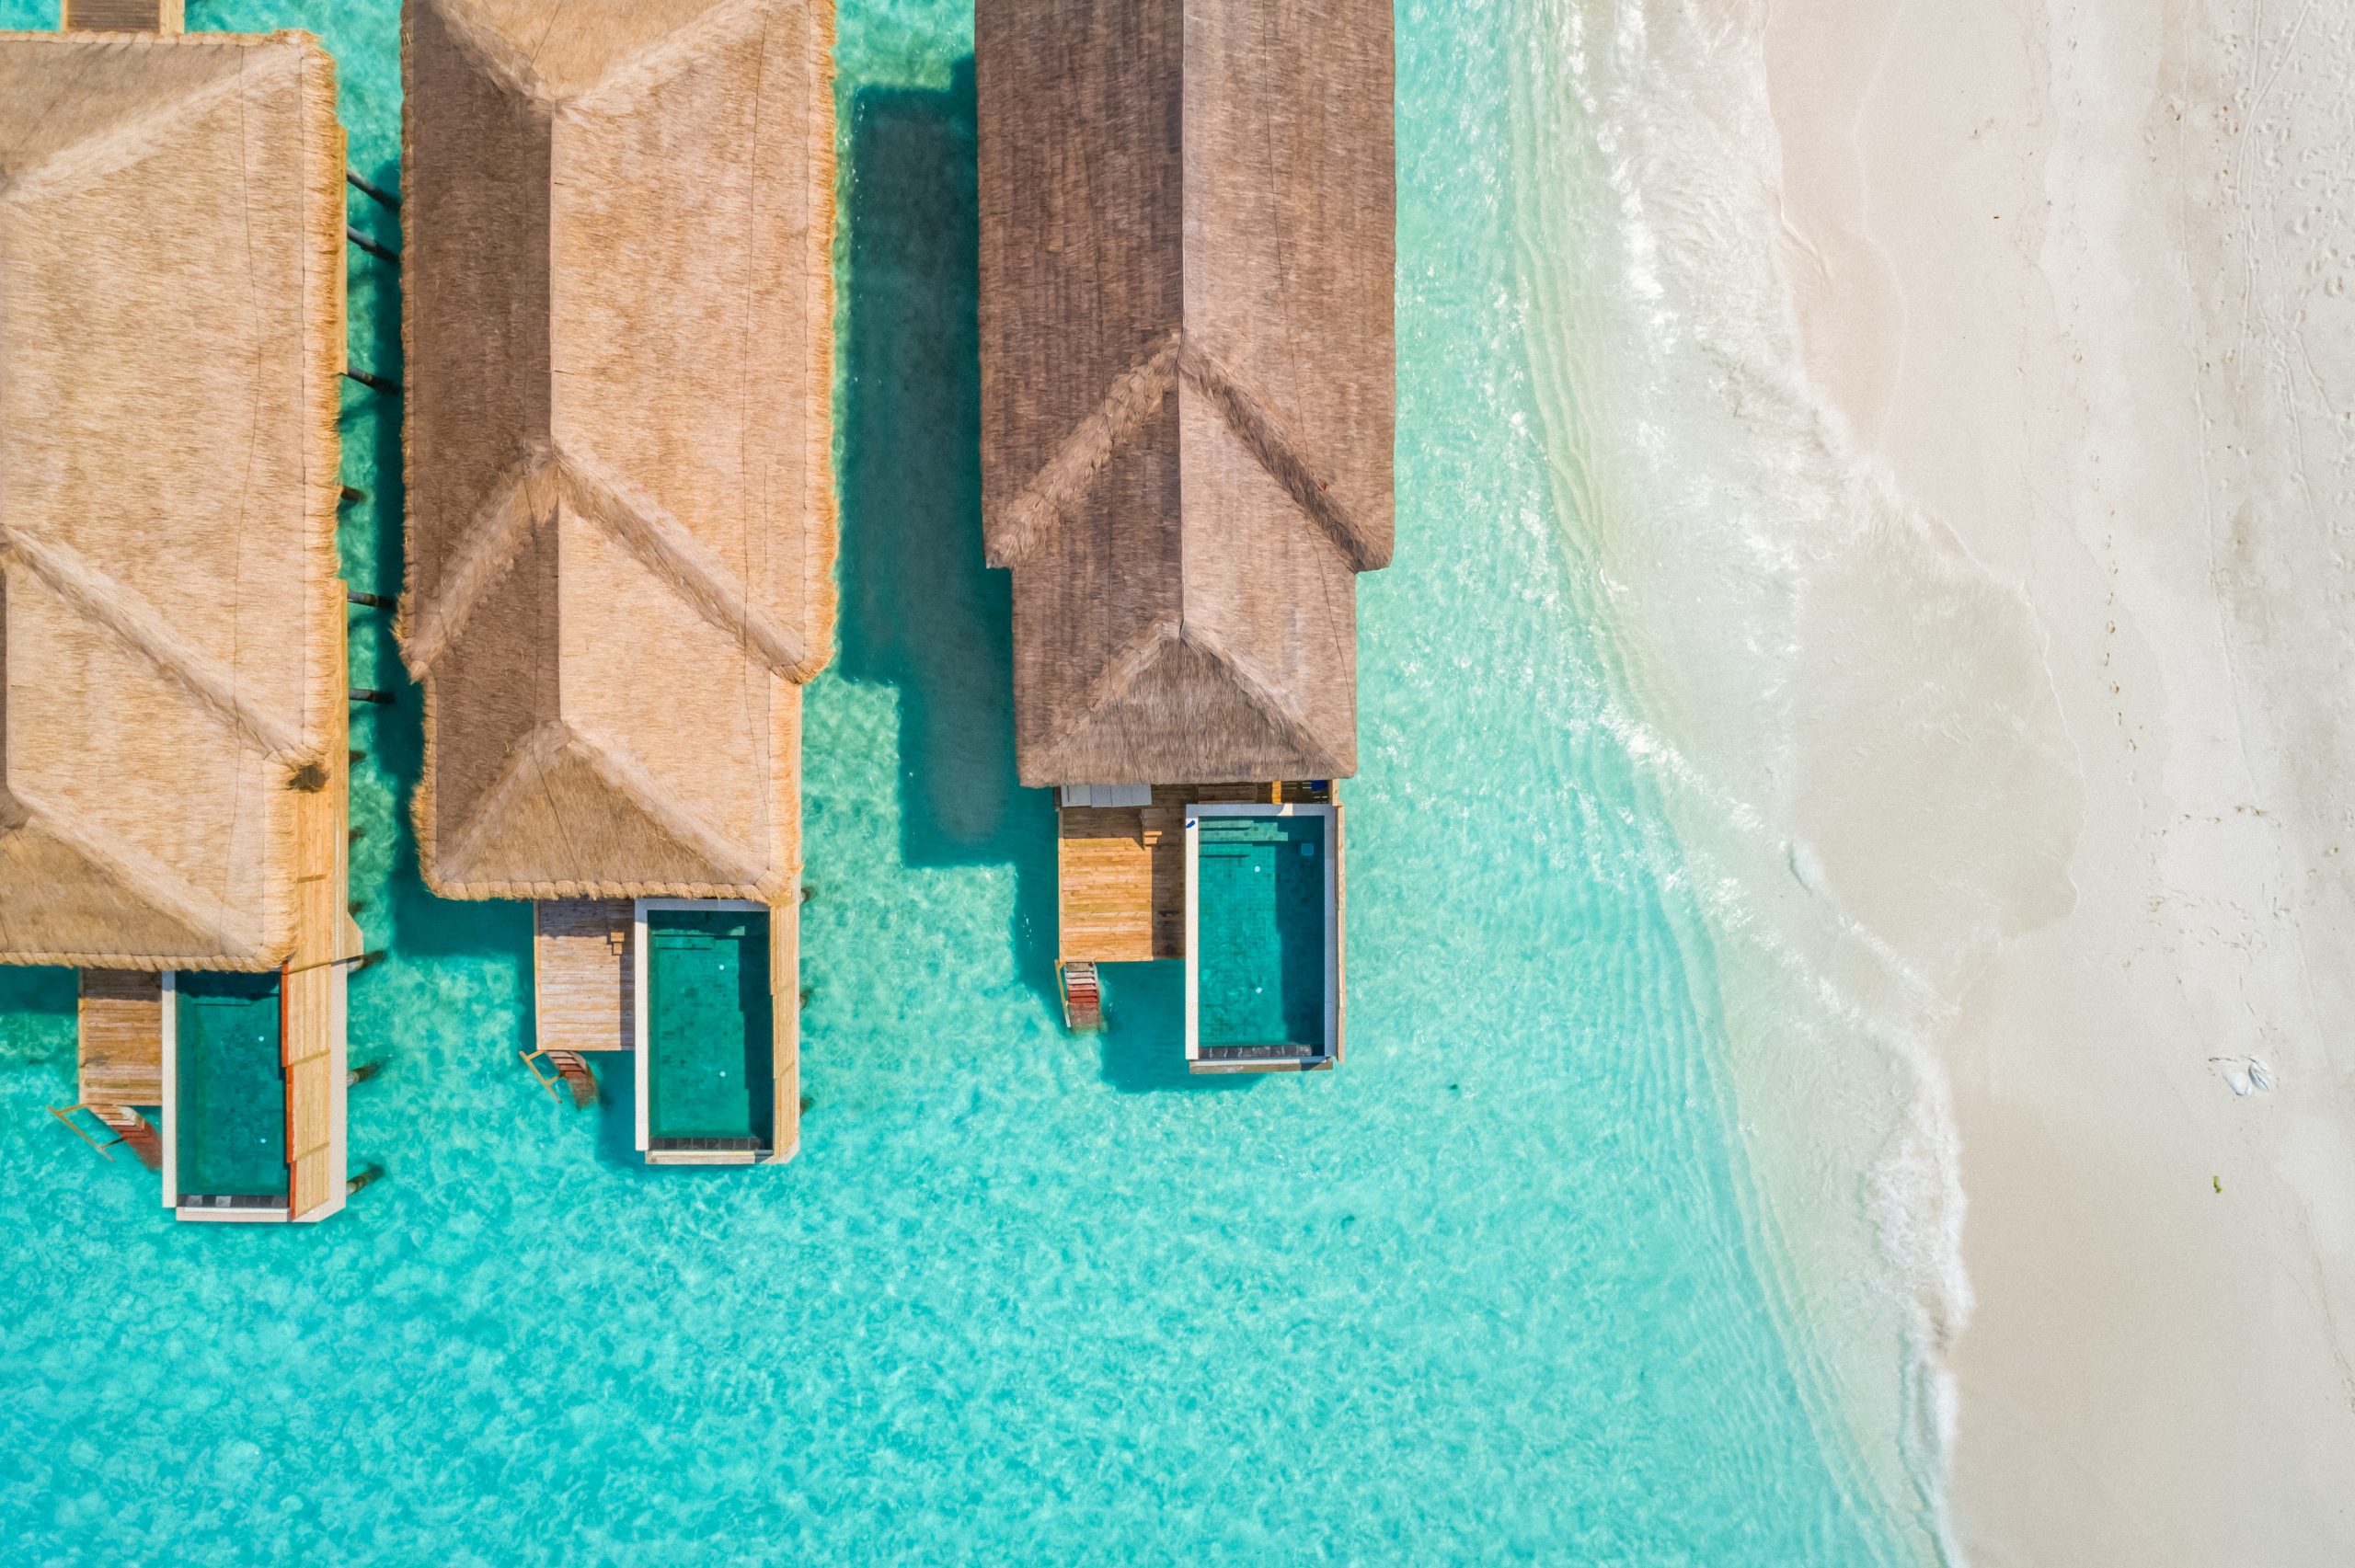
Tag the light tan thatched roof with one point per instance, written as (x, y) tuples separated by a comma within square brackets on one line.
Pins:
[(171, 328), (1187, 213), (619, 215)]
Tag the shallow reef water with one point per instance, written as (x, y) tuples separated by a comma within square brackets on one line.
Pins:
[(1486, 1293)]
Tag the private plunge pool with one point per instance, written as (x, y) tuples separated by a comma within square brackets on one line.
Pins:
[(706, 1032), (1263, 925)]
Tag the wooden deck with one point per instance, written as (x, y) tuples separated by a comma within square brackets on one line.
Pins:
[(313, 1032), (121, 1020), (1121, 871), (584, 974), (785, 1062)]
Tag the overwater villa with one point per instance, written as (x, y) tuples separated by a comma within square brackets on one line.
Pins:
[(1186, 215), (617, 274), (173, 722)]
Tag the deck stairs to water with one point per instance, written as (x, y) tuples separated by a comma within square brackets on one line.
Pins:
[(569, 1068), (135, 1131), (1083, 1001)]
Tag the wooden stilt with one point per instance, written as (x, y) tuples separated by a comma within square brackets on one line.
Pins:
[(380, 194), (370, 246)]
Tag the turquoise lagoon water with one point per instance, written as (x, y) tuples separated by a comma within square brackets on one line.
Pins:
[(1487, 1293)]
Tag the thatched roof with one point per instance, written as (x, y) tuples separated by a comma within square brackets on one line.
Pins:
[(171, 328), (1187, 213), (617, 270)]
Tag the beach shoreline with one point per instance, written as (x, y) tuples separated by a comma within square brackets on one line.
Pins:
[(2070, 276), (1949, 411)]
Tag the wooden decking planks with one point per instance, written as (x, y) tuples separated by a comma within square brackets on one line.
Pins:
[(1103, 875), (584, 974), (324, 934), (784, 993), (121, 1024), (1121, 880)]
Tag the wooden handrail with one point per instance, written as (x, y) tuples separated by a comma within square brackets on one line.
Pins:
[(66, 1115)]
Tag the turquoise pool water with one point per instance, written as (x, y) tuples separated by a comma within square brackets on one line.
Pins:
[(1259, 930), (1025, 1296), (229, 1129), (710, 1030)]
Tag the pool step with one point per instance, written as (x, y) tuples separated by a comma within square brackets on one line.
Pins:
[(1083, 1002)]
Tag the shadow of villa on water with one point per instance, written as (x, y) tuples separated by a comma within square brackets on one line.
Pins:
[(920, 610)]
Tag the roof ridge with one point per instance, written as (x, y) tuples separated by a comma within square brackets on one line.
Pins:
[(138, 626), (1263, 695), (128, 140), (491, 543), (539, 746), (490, 48), (655, 63), (1148, 650), (552, 740), (495, 538), (1067, 476), (662, 545), (627, 777), (1265, 435), (1122, 671), (138, 876)]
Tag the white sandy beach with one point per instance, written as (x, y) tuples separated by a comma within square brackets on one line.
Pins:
[(1955, 421), (2076, 274)]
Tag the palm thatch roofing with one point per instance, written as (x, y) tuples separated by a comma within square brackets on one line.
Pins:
[(619, 220), (171, 625), (1186, 215)]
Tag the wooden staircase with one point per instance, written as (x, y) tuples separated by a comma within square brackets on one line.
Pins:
[(1083, 1001), (570, 1067), (135, 1131)]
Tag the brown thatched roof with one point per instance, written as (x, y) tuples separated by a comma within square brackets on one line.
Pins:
[(1187, 213), (619, 220), (171, 328)]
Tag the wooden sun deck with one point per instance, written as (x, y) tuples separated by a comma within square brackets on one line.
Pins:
[(121, 1020), (325, 936), (1121, 871), (584, 974)]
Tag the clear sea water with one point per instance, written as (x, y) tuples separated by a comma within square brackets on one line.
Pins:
[(1492, 1292)]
